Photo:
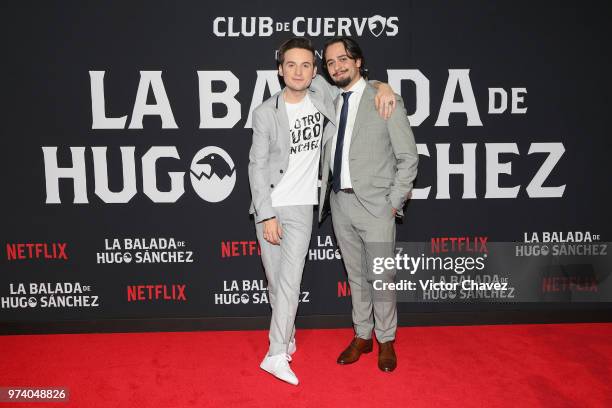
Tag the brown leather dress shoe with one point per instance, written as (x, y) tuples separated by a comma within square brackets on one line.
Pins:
[(387, 360), (354, 350)]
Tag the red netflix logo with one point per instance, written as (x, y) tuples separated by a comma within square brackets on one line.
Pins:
[(459, 244), (39, 250), (344, 289), (239, 248), (139, 293), (570, 284)]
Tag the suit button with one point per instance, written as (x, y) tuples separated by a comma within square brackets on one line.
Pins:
[(281, 172), (271, 185)]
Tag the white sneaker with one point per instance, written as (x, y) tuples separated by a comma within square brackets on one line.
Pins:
[(278, 366), (292, 347)]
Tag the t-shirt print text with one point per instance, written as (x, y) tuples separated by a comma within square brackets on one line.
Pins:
[(306, 133)]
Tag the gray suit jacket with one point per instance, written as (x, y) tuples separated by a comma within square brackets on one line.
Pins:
[(382, 159), (269, 154)]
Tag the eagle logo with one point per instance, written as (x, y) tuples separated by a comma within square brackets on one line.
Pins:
[(213, 164), (213, 174)]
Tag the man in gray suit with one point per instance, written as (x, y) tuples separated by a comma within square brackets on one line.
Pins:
[(288, 129), (373, 164)]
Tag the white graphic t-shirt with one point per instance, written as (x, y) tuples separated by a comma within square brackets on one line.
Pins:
[(299, 184)]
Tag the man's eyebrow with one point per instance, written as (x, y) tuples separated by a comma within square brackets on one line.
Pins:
[(340, 56)]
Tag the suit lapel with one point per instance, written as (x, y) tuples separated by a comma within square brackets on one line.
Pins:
[(327, 136), (318, 100), (366, 104), (283, 122)]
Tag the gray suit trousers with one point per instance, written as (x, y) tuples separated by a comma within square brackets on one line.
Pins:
[(284, 265), (361, 237)]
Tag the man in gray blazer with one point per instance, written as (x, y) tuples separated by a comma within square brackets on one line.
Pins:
[(373, 164), (288, 130)]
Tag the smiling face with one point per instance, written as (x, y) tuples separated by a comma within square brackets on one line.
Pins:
[(342, 68), (298, 69)]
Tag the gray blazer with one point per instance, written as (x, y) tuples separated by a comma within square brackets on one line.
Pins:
[(269, 154), (382, 159)]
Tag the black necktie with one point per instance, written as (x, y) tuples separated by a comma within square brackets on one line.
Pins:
[(340, 143)]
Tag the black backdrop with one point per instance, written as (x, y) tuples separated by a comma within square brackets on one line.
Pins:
[(555, 56)]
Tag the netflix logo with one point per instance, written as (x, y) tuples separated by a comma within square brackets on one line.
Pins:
[(38, 250), (231, 249), (459, 244), (570, 284), (161, 292), (344, 290)]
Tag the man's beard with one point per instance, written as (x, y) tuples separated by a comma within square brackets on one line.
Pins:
[(343, 82)]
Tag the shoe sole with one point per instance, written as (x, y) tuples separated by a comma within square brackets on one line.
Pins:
[(278, 378)]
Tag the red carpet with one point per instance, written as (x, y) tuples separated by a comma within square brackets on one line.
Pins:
[(478, 366)]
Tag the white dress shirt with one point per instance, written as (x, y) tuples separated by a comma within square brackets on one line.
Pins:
[(354, 99)]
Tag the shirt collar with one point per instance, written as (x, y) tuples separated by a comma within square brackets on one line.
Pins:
[(358, 87)]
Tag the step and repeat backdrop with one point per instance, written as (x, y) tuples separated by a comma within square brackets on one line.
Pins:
[(113, 112)]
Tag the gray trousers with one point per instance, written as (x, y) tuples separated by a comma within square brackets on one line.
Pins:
[(284, 265), (361, 237)]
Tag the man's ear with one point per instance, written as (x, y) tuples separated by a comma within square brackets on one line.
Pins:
[(314, 72), (358, 62), (280, 70)]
